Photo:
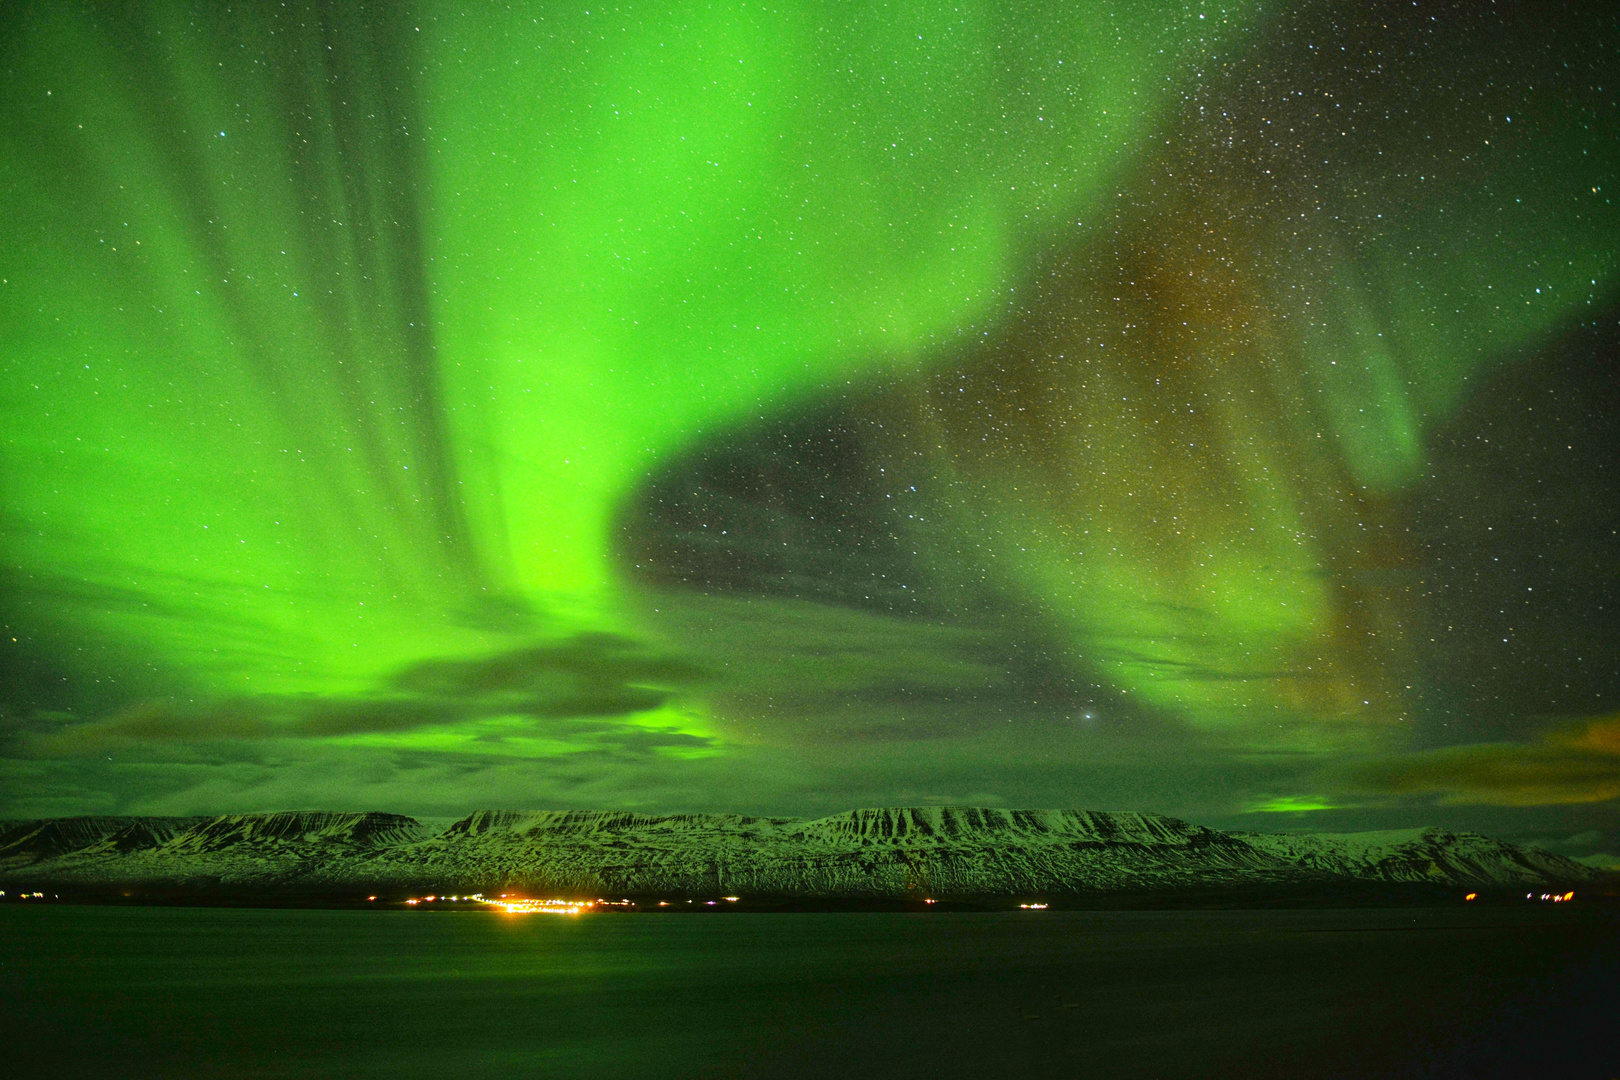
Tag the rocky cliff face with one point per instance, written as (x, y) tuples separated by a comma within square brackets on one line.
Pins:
[(912, 851), (892, 852), (1420, 855), (23, 843), (319, 829)]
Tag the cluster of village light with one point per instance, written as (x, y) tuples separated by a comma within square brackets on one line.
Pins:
[(523, 905), (469, 898), (1550, 897), (514, 905)]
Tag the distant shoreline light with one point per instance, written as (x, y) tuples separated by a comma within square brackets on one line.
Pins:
[(552, 907)]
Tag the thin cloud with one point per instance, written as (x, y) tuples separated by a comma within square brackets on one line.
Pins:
[(587, 677)]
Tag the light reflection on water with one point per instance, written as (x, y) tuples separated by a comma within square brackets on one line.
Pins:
[(202, 992)]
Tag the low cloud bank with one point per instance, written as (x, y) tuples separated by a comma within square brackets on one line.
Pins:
[(1579, 763)]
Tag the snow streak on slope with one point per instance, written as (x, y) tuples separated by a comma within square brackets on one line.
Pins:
[(25, 842), (938, 852), (1419, 855)]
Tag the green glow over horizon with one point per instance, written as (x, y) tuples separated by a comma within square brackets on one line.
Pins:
[(630, 235), (339, 345)]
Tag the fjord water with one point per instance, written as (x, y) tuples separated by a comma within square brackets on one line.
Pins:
[(177, 992)]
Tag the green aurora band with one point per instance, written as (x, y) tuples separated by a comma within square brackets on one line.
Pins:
[(340, 343)]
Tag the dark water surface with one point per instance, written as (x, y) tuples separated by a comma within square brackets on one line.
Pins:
[(128, 992)]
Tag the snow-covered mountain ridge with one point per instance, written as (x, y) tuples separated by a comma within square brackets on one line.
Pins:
[(893, 852)]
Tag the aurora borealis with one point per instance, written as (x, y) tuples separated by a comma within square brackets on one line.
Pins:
[(783, 407)]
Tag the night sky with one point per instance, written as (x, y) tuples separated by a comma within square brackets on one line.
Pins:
[(779, 408)]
